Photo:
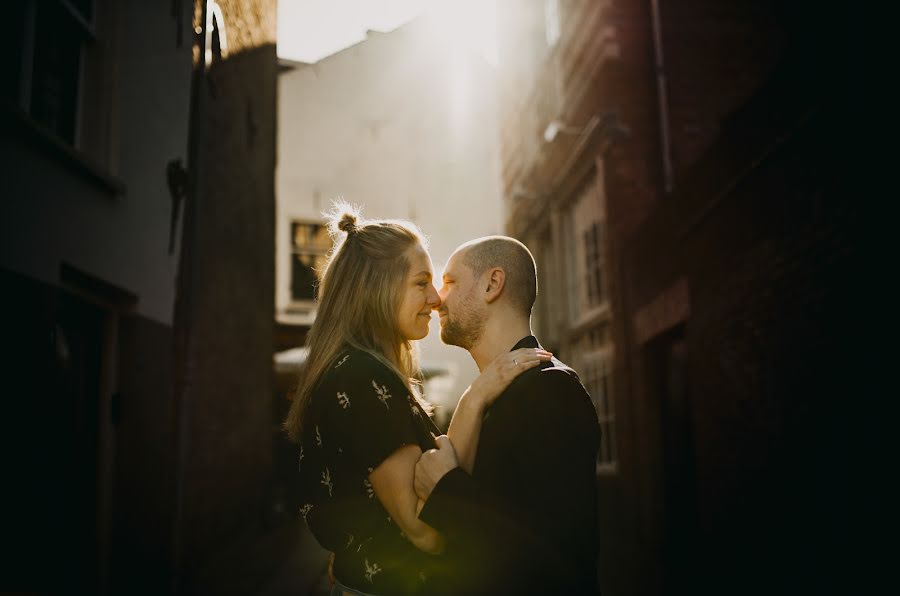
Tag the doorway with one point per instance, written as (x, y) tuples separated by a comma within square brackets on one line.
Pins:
[(667, 357), (50, 437)]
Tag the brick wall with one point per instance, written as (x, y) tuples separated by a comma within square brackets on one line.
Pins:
[(729, 294), (758, 229)]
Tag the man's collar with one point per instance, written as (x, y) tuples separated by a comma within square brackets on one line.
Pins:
[(529, 341)]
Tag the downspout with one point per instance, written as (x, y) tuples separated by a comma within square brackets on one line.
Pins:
[(184, 355), (662, 97)]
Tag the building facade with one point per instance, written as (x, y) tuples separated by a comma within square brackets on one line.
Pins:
[(96, 107), (137, 223), (673, 168), (405, 126)]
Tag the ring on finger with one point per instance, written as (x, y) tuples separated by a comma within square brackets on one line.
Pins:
[(516, 361)]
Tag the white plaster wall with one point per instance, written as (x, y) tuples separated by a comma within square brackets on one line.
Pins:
[(154, 97), (405, 128), (52, 213)]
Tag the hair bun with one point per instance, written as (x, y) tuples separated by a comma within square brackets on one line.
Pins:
[(347, 223)]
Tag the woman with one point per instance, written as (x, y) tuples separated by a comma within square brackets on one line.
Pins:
[(357, 414)]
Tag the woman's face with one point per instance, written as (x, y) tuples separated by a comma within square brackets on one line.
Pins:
[(419, 295)]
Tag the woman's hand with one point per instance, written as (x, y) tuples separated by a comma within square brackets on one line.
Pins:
[(394, 484), (494, 379)]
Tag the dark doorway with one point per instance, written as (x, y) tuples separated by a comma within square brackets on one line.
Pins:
[(80, 331), (667, 359), (50, 439)]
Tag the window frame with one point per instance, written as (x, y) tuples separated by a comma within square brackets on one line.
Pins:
[(587, 203), (86, 30), (596, 367), (595, 264), (303, 306)]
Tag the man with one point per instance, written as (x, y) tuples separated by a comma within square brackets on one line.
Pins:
[(524, 520)]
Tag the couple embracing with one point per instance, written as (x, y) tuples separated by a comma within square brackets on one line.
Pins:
[(505, 502)]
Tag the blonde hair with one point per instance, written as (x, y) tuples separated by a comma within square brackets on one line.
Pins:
[(359, 296)]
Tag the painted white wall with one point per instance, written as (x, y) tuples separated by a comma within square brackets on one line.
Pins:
[(404, 127), (52, 213), (154, 97)]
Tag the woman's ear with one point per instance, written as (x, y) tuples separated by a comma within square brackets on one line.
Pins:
[(495, 282)]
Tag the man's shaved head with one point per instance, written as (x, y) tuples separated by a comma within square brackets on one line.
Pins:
[(514, 258)]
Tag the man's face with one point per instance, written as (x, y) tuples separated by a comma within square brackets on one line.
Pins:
[(462, 314)]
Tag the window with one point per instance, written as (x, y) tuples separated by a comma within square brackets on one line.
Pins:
[(48, 77), (586, 244), (572, 265), (310, 243), (594, 264), (551, 21), (544, 308), (596, 373), (583, 241)]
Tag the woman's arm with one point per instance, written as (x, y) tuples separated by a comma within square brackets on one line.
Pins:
[(465, 426), (392, 482)]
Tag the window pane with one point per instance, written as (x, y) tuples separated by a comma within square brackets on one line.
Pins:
[(311, 237), (311, 243), (573, 271), (57, 63), (607, 402), (12, 32), (611, 431), (303, 277), (604, 450), (602, 402), (601, 249), (598, 283)]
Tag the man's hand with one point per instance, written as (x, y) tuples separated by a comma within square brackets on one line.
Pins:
[(432, 466)]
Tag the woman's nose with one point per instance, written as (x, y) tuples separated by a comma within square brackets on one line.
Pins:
[(434, 299)]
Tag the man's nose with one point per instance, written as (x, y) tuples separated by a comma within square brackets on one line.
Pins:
[(442, 294)]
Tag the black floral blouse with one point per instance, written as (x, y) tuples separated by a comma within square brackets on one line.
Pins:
[(359, 415)]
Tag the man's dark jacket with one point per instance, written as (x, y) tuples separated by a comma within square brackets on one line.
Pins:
[(525, 521)]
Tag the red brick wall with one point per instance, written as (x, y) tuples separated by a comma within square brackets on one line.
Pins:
[(758, 231), (758, 228), (767, 270)]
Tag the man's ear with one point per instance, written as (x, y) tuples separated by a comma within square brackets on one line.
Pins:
[(494, 281)]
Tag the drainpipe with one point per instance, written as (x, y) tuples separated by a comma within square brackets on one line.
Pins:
[(184, 329), (662, 97)]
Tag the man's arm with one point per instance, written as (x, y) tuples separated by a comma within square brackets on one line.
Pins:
[(481, 547), (561, 450), (548, 518), (450, 498)]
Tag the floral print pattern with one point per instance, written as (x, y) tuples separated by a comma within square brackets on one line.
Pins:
[(371, 570), (351, 408), (326, 481), (383, 394)]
